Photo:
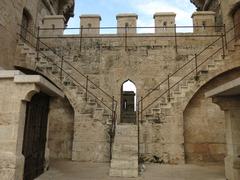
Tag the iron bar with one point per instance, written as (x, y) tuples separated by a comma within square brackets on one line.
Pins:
[(112, 129), (168, 96), (138, 125), (87, 87), (81, 33), (61, 68), (175, 38), (225, 36), (149, 35), (223, 48), (140, 27), (141, 109), (196, 67), (37, 44), (125, 38)]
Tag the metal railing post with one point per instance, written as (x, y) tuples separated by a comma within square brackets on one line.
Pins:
[(61, 69), (196, 67), (112, 129), (223, 46), (138, 125), (113, 105), (225, 36), (141, 109), (168, 81), (81, 33), (86, 87), (175, 38), (125, 39), (37, 43)]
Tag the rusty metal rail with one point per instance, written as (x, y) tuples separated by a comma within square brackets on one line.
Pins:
[(54, 62), (224, 45)]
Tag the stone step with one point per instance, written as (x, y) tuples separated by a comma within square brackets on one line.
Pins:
[(125, 140), (132, 133), (126, 127), (124, 164), (125, 155), (128, 173), (125, 147)]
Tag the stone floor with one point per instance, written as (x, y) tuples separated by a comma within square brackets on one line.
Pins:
[(67, 170)]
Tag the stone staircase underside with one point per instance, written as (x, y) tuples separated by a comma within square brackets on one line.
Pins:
[(124, 161)]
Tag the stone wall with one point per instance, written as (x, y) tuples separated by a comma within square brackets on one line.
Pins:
[(146, 60), (60, 129), (11, 16), (204, 125), (16, 90)]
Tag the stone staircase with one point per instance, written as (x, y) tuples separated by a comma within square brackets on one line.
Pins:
[(88, 109), (165, 105), (167, 112), (124, 161)]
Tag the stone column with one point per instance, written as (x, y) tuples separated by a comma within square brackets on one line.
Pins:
[(231, 107)]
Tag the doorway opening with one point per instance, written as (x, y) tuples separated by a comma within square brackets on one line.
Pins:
[(35, 132), (128, 102)]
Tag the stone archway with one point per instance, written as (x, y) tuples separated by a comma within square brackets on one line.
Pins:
[(204, 124), (35, 136), (128, 102)]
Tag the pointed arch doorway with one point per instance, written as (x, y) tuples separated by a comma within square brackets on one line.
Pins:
[(128, 102)]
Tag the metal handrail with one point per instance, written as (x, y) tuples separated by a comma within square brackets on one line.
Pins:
[(68, 75), (123, 27), (191, 60), (66, 62), (75, 68), (113, 109)]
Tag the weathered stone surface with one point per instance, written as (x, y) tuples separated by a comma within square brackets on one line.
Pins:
[(61, 119), (124, 162)]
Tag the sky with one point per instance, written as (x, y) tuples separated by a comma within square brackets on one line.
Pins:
[(108, 9)]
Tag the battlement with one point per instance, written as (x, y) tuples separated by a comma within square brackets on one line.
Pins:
[(203, 22)]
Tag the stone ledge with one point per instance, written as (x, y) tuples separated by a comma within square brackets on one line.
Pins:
[(227, 89), (41, 82), (90, 16), (9, 73), (127, 15), (164, 14)]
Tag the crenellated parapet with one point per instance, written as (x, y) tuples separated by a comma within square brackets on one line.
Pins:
[(127, 22), (164, 22), (89, 24), (203, 22)]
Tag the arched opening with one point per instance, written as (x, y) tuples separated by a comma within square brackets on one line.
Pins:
[(204, 124), (128, 102), (26, 24), (35, 134)]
